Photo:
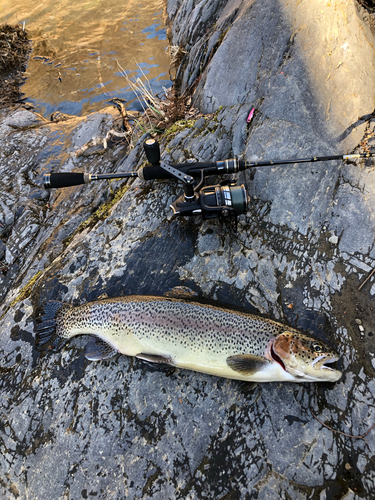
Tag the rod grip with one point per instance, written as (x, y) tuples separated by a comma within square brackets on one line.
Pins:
[(150, 173), (65, 179), (193, 169)]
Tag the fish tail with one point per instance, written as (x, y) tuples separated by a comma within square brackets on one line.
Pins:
[(47, 337)]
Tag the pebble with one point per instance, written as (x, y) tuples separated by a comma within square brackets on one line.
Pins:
[(333, 239)]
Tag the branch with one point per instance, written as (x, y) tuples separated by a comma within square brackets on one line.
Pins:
[(362, 436)]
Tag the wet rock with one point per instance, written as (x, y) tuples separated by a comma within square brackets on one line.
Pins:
[(2, 249), (23, 119)]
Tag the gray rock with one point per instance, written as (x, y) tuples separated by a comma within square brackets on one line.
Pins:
[(23, 119), (2, 249)]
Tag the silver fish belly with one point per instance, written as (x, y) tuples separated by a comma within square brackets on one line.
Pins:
[(186, 334)]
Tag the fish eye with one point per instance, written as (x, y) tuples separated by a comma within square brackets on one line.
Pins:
[(317, 348)]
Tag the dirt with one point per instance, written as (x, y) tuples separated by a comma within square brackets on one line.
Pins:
[(355, 309)]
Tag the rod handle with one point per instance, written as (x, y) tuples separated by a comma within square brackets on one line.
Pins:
[(65, 179), (193, 169), (150, 173)]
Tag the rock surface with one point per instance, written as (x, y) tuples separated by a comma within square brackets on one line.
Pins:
[(115, 429)]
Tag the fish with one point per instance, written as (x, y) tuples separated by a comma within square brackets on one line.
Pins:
[(185, 333)]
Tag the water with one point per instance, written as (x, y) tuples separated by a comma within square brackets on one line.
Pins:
[(83, 44)]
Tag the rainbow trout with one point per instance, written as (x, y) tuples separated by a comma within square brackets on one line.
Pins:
[(187, 334)]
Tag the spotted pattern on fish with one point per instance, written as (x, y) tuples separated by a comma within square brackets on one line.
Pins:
[(180, 323)]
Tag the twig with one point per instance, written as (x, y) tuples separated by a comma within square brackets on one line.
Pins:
[(123, 112), (366, 280), (100, 141), (362, 436)]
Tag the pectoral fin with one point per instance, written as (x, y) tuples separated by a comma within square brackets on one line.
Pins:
[(98, 349), (247, 364)]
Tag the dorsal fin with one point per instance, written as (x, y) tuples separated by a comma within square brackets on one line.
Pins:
[(181, 292)]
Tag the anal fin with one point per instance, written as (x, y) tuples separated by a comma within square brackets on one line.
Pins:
[(98, 349), (247, 364)]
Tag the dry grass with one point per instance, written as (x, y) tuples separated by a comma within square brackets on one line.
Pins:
[(14, 50), (160, 111), (176, 54)]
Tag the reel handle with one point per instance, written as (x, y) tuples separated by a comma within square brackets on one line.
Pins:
[(152, 150)]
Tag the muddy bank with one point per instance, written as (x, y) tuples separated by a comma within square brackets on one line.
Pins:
[(303, 254)]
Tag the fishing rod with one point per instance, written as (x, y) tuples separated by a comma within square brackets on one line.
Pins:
[(222, 200)]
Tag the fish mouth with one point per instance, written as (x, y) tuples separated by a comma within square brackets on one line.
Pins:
[(323, 361), (324, 372)]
